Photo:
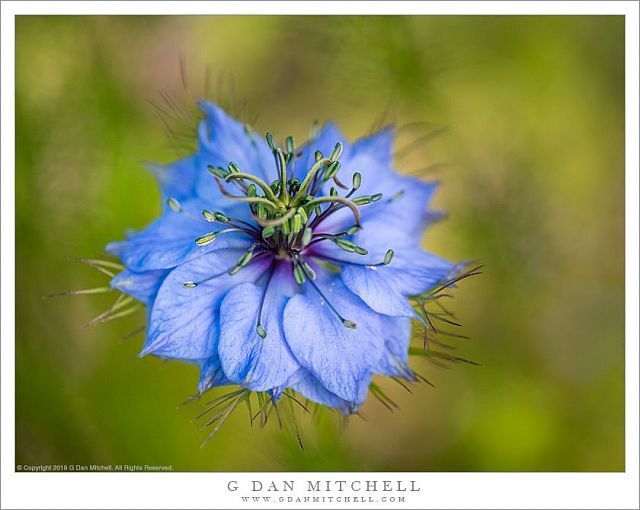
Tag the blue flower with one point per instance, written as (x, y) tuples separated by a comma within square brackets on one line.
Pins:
[(276, 267)]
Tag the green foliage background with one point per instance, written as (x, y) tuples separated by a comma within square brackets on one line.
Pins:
[(522, 120)]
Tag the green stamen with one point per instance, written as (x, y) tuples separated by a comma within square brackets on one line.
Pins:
[(217, 171), (298, 273), (206, 239), (340, 200), (268, 192), (279, 221), (357, 181), (173, 204), (388, 257), (211, 236), (332, 170), (337, 151), (269, 138), (304, 187), (209, 216), (306, 236), (251, 200), (268, 232)]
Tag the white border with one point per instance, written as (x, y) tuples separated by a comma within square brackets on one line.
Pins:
[(208, 490)]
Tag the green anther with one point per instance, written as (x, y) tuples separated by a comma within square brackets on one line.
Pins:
[(353, 230), (344, 244), (294, 185), (376, 197), (269, 138), (286, 228), (221, 217), (306, 236), (388, 257), (307, 269), (209, 216), (251, 191), (349, 324), (233, 168), (318, 155), (298, 274), (173, 204), (217, 171), (357, 180), (262, 333), (189, 285), (290, 145), (333, 192), (332, 170), (267, 232), (206, 239), (234, 270), (303, 215), (284, 195), (317, 210), (261, 212), (361, 251), (296, 224), (275, 186), (363, 200), (244, 260), (337, 151)]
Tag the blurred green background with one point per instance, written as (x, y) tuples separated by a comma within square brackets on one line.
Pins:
[(522, 120)]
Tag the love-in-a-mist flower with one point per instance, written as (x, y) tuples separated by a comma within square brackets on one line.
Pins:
[(276, 267)]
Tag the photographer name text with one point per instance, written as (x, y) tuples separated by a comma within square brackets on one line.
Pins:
[(262, 486)]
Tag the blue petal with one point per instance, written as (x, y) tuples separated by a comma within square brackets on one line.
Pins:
[(211, 374), (259, 363), (378, 146), (404, 206), (142, 286), (170, 240), (184, 321), (177, 180), (310, 387), (339, 357), (403, 211), (223, 139), (395, 358), (386, 288)]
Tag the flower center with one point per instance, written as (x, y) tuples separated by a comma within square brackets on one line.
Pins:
[(287, 211), (286, 215)]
